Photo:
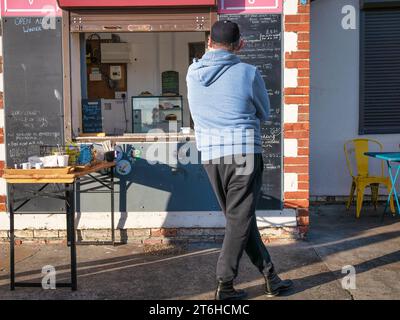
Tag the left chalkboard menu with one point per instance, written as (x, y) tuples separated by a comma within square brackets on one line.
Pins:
[(33, 85), (33, 95)]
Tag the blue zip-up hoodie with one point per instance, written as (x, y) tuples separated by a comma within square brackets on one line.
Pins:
[(228, 100)]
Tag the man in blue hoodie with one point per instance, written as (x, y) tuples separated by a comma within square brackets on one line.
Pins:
[(228, 101)]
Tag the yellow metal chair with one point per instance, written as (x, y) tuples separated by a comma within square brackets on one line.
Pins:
[(355, 157)]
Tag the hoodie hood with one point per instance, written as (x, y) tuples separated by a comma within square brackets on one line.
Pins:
[(212, 66)]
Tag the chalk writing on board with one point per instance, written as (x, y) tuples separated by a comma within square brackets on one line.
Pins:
[(23, 137), (29, 119), (33, 87), (29, 25), (33, 95), (92, 121)]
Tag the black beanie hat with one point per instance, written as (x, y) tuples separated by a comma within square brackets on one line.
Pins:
[(225, 31)]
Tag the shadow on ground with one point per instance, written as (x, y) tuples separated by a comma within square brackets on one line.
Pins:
[(336, 239)]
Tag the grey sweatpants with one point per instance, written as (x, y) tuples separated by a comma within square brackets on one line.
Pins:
[(237, 186)]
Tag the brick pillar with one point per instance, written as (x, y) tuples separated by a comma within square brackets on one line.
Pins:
[(297, 109)]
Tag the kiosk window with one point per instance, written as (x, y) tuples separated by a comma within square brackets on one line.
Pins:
[(137, 80)]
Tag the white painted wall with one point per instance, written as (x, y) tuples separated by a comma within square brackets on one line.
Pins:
[(156, 53), (335, 98), (137, 220)]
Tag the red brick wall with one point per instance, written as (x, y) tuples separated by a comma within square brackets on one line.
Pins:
[(299, 59)]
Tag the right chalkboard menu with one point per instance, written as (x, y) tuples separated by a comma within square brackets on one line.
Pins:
[(262, 34)]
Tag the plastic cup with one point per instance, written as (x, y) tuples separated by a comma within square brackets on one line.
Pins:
[(26, 166), (38, 165), (63, 160)]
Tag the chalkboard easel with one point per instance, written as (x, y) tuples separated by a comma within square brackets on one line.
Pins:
[(33, 93)]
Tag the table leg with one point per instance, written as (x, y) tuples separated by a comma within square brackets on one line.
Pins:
[(396, 197), (12, 238), (71, 231), (67, 201), (393, 190), (112, 207)]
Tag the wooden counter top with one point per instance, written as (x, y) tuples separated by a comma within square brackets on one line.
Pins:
[(53, 175), (138, 137)]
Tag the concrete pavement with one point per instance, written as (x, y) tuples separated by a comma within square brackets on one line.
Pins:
[(127, 272)]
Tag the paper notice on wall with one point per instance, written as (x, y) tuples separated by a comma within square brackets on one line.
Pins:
[(116, 116), (95, 75)]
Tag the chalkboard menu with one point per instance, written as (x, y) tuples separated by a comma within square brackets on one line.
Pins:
[(33, 86), (92, 121), (263, 48), (33, 95)]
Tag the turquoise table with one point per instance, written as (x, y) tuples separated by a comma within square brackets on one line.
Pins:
[(393, 162)]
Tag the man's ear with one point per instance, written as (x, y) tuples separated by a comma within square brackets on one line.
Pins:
[(240, 46)]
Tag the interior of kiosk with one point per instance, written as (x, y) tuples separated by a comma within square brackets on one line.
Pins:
[(131, 83)]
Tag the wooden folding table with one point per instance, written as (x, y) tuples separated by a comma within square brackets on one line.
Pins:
[(69, 178)]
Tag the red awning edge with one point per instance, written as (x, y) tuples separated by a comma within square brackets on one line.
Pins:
[(118, 4)]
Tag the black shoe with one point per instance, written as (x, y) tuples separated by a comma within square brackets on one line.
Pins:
[(273, 284), (226, 291)]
